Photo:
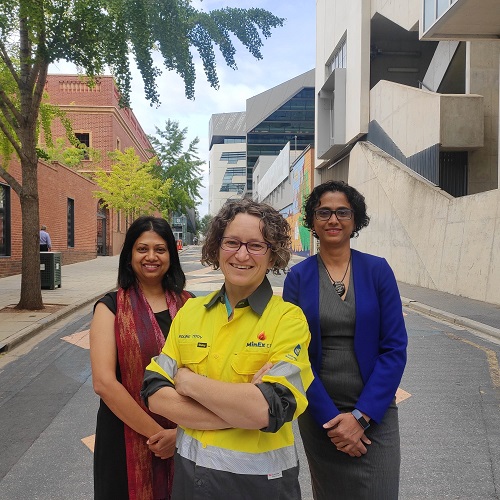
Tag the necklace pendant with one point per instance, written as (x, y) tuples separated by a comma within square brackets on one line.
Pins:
[(339, 288)]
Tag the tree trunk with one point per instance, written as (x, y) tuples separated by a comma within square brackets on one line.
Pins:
[(31, 290)]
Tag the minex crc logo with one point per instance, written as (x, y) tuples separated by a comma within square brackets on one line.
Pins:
[(258, 344)]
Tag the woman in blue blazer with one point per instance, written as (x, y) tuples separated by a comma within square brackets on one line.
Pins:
[(351, 300)]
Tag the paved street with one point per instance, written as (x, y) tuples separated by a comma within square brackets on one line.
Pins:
[(449, 403)]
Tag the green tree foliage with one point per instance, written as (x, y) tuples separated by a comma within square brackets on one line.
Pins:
[(180, 166), (130, 186), (205, 222), (70, 155), (99, 36)]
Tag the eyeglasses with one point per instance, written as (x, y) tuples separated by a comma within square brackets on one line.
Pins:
[(340, 213), (253, 247)]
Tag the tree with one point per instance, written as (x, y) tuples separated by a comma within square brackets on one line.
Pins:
[(97, 35), (205, 222), (70, 155), (181, 167), (129, 186)]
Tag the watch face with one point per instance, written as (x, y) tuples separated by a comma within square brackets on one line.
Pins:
[(363, 423)]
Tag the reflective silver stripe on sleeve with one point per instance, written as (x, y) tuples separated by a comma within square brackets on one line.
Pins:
[(291, 372), (236, 462), (167, 364)]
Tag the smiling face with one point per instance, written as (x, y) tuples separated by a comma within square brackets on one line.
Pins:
[(150, 258), (332, 231), (243, 272)]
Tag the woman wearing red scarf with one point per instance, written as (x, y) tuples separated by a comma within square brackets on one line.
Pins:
[(133, 447)]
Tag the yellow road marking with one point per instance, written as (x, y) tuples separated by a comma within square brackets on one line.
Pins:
[(491, 357)]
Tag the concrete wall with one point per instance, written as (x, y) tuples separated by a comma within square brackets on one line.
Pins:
[(405, 14), (483, 68), (334, 20), (417, 119), (439, 65), (217, 198), (429, 238)]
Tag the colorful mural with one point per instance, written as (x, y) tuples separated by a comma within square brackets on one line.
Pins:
[(301, 179)]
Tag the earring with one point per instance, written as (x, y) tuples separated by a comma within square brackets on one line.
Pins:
[(315, 234)]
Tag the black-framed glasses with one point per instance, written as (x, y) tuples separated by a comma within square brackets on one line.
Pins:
[(340, 213), (253, 247)]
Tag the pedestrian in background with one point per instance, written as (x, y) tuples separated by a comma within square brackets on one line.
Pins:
[(132, 446), (234, 369), (45, 243), (358, 346)]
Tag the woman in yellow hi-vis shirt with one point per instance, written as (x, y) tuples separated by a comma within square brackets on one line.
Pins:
[(234, 370)]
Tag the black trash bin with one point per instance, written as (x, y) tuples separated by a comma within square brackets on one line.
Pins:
[(50, 269)]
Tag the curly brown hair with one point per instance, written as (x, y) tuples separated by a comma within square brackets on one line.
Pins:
[(274, 227)]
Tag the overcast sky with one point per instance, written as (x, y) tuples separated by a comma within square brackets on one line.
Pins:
[(289, 52)]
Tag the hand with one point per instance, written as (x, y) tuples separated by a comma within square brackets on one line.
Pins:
[(181, 380), (347, 435), (257, 378), (162, 444)]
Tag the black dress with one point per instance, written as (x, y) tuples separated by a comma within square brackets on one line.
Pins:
[(110, 463)]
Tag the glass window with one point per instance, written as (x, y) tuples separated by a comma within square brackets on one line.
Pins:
[(429, 13), (4, 220), (71, 223), (236, 140), (84, 138), (339, 57), (233, 157), (442, 7), (294, 118)]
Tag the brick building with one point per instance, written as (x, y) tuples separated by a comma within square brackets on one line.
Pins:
[(79, 228)]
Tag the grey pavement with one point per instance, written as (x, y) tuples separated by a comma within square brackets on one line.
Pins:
[(83, 283)]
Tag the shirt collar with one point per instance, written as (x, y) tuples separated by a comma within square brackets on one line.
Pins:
[(258, 300)]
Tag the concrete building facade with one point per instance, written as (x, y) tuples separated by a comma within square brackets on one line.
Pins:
[(227, 159), (407, 111)]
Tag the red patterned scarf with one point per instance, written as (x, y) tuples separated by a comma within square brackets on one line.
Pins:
[(138, 339)]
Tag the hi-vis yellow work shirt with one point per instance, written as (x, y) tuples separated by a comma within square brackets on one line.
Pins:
[(263, 328)]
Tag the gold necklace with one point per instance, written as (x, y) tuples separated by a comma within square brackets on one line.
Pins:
[(339, 285)]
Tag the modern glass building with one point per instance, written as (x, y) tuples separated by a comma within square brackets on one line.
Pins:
[(277, 116)]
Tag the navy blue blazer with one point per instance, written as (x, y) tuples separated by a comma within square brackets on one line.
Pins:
[(380, 337)]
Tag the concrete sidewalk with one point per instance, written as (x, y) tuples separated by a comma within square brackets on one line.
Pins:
[(83, 283)]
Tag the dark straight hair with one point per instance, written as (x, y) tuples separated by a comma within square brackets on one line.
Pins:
[(174, 279)]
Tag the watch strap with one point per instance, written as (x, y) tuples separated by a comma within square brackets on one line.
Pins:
[(361, 420)]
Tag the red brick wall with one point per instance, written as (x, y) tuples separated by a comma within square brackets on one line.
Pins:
[(56, 183), (96, 111)]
